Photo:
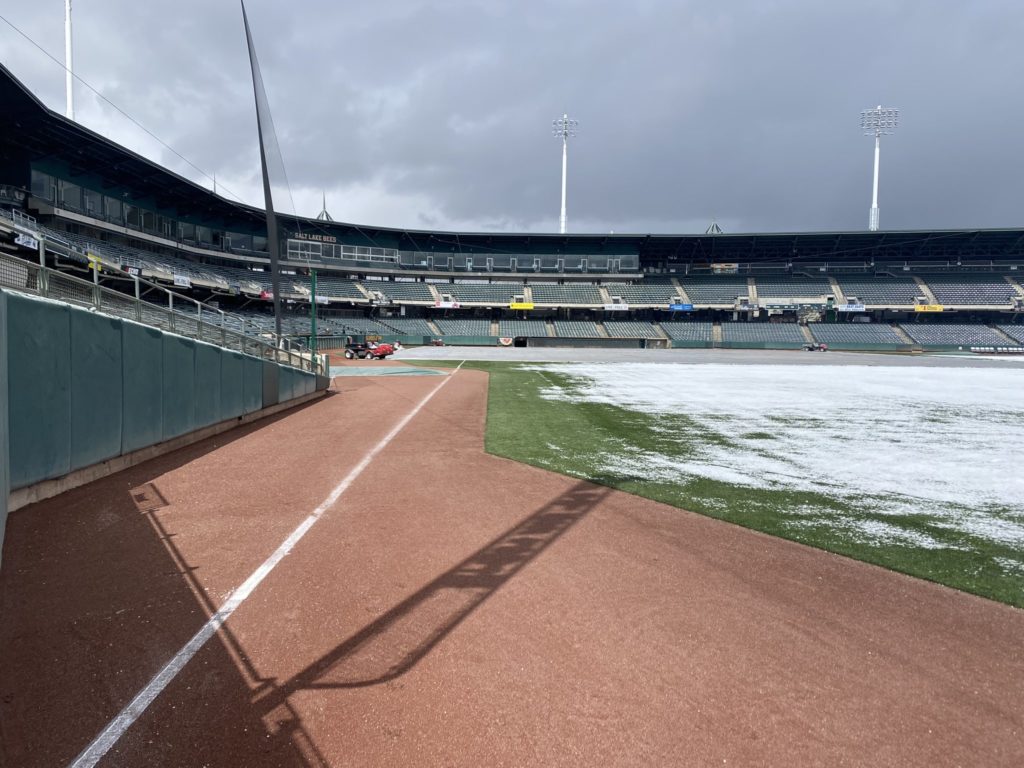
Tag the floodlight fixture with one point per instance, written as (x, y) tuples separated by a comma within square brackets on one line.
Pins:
[(877, 122), (69, 83), (564, 128)]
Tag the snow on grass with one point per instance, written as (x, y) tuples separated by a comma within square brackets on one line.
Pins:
[(936, 444)]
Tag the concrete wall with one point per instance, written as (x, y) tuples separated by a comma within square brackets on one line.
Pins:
[(78, 388)]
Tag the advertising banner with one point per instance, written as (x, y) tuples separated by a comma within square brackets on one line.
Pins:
[(616, 307), (182, 281), (447, 304), (521, 305), (26, 241), (681, 307), (928, 308), (850, 308)]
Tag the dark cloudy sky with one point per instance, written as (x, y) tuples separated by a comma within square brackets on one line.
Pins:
[(437, 113)]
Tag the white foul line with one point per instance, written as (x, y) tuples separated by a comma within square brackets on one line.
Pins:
[(117, 727)]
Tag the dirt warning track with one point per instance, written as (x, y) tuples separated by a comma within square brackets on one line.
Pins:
[(454, 608)]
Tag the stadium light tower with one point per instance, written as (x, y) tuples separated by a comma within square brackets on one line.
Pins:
[(564, 128), (68, 66), (876, 122)]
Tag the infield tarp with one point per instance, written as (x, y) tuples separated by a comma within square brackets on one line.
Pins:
[(142, 377), (39, 389), (96, 387)]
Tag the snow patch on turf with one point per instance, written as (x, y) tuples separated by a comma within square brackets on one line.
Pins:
[(937, 444)]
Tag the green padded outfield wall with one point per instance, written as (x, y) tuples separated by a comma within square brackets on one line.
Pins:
[(179, 386), (38, 388), (208, 384), (83, 387), (232, 371), (271, 383), (96, 388), (5, 485), (143, 375)]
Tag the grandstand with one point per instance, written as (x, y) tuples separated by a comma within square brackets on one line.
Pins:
[(1015, 332), (714, 290), (494, 294), (630, 329), (954, 334), (93, 197), (971, 290), (576, 329), (867, 334), (464, 327), (763, 333), (513, 328), (566, 295), (688, 331)]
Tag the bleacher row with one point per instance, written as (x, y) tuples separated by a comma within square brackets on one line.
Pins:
[(988, 290)]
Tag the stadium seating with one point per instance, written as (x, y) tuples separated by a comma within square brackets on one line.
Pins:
[(450, 327), (687, 331), (513, 328), (958, 334), (338, 288), (714, 290), (786, 289), (855, 333), (409, 326), (495, 294), (630, 329), (969, 290), (1015, 332), (561, 295), (887, 291), (785, 333), (401, 290), (658, 295), (576, 329)]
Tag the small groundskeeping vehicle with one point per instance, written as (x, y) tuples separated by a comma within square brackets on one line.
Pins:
[(369, 351), (816, 346)]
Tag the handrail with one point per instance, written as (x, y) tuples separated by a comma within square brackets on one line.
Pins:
[(32, 277)]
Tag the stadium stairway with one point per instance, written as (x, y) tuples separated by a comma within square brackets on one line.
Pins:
[(494, 328), (807, 334), (605, 296), (682, 293), (1009, 341), (903, 335), (926, 290), (752, 290), (602, 331), (1016, 285), (716, 334), (837, 291)]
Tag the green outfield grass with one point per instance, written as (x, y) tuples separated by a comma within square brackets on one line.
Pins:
[(583, 439)]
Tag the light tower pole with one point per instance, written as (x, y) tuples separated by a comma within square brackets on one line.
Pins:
[(564, 128), (876, 122), (68, 65)]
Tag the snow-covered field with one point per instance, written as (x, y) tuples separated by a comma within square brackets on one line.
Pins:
[(886, 446)]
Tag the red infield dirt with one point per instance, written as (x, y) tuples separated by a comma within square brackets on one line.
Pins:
[(458, 609)]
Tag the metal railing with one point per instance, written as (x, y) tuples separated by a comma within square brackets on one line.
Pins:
[(38, 279)]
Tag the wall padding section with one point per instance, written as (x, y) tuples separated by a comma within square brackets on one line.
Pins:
[(308, 383), (232, 387), (271, 382), (286, 385), (207, 385), (39, 389), (252, 391), (96, 388), (143, 378), (179, 395), (4, 454)]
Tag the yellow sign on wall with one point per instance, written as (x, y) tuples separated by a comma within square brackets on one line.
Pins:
[(928, 308), (521, 305)]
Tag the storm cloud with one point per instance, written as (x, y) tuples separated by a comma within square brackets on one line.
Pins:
[(438, 114)]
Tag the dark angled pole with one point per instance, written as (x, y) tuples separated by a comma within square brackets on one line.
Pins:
[(272, 240), (312, 311)]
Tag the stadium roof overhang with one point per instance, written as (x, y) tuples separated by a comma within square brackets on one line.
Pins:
[(27, 126)]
